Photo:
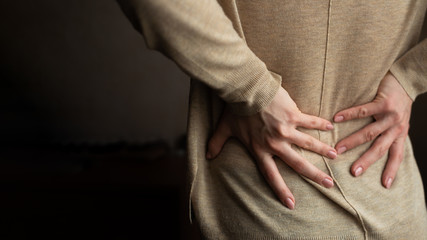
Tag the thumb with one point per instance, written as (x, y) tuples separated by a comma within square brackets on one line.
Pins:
[(217, 141)]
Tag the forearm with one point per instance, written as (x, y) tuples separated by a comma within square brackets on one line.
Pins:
[(411, 70), (199, 37)]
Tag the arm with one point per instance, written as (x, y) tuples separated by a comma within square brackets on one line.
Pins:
[(391, 109), (411, 70), (269, 134), (199, 37)]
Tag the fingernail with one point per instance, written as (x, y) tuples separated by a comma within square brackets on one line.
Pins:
[(358, 171), (329, 126), (332, 154), (327, 182), (341, 149), (289, 203), (388, 183), (209, 155), (338, 118)]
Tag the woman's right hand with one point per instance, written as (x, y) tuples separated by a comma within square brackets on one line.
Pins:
[(270, 133)]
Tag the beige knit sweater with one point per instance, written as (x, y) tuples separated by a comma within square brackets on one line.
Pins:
[(329, 55)]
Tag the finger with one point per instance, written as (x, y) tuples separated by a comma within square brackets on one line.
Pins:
[(375, 152), (310, 143), (366, 134), (269, 170), (220, 136), (394, 160), (303, 167), (313, 122), (361, 111)]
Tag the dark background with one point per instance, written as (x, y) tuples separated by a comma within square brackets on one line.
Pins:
[(92, 126)]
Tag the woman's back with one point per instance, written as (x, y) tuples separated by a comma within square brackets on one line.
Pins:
[(330, 57)]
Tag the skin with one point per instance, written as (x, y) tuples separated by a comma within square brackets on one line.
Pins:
[(270, 133), (391, 110)]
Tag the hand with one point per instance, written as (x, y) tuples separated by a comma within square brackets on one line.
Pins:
[(270, 133), (391, 110)]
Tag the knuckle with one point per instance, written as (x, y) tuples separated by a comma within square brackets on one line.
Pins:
[(370, 135), (313, 122), (350, 114), (293, 118), (276, 148), (396, 117), (308, 144), (388, 106), (269, 141), (283, 132), (299, 166), (401, 128), (362, 112), (381, 150), (269, 175)]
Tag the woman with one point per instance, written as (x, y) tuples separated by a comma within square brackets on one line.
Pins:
[(270, 77)]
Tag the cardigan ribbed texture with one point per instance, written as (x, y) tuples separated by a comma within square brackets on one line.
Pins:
[(328, 55)]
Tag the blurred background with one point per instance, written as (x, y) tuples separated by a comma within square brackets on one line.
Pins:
[(93, 126)]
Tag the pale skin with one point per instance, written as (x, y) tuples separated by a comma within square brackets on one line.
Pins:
[(271, 132)]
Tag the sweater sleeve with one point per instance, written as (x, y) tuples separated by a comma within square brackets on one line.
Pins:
[(411, 70), (200, 38)]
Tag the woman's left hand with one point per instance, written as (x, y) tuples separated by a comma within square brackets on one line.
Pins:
[(391, 110)]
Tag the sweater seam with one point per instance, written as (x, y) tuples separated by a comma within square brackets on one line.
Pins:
[(359, 216)]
